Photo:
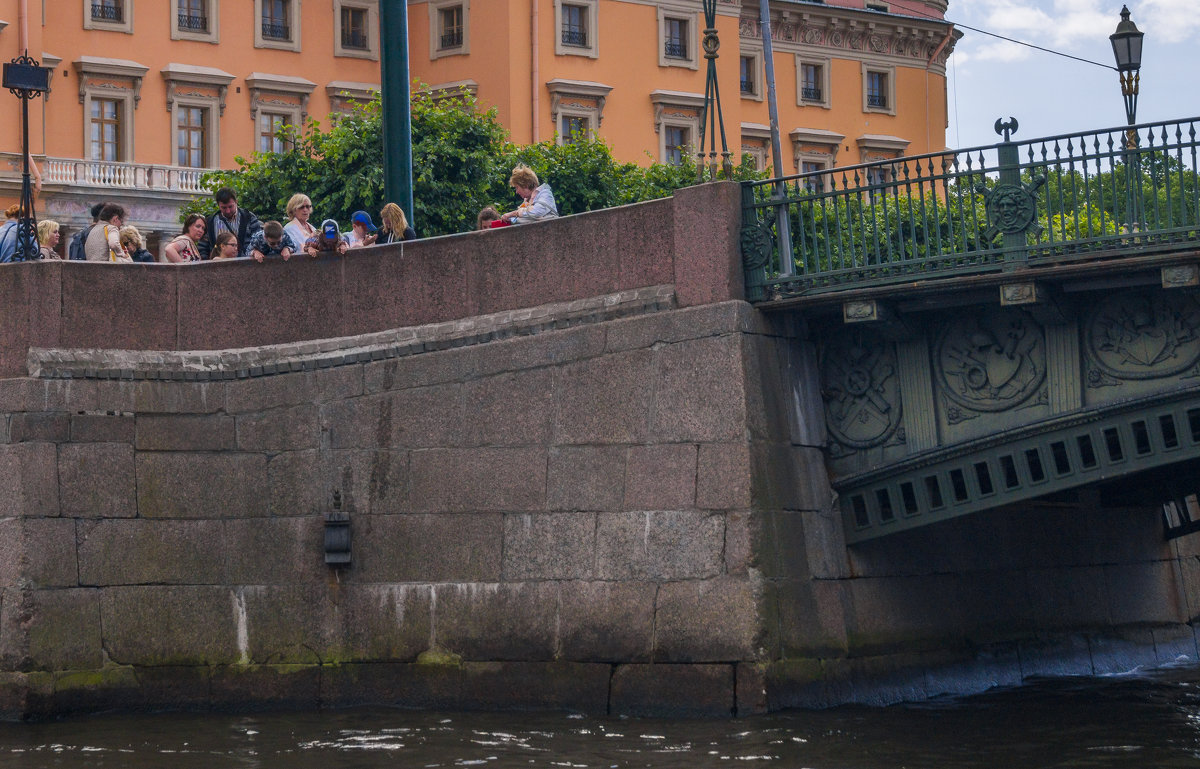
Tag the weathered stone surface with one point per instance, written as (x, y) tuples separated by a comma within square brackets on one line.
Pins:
[(1069, 597), (1128, 650), (285, 624), (700, 391), (431, 687), (750, 696), (339, 383), (257, 551), (549, 546), (659, 545), (298, 483), (680, 325), (986, 668), (426, 416), (996, 605), (789, 477), (661, 477), (28, 473), (1144, 593), (489, 621), (177, 397), (444, 547), (39, 426), (102, 428), (270, 392), (706, 620), (509, 409), (97, 480), (39, 551), (170, 625), (150, 551), (20, 394), (606, 621), (672, 690), (604, 400), (904, 613), (535, 686), (812, 617), (263, 687), (370, 481), (286, 429), (723, 476), (741, 531), (706, 253), (1055, 655), (65, 630), (197, 485), (382, 623), (185, 432), (482, 479), (586, 477)]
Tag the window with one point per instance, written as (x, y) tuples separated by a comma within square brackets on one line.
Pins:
[(269, 124), (574, 128), (576, 25), (576, 107), (815, 149), (881, 7), (677, 122), (191, 132), (112, 15), (357, 29), (756, 142), (278, 24), (195, 20), (677, 33), (747, 75), (750, 66), (105, 130), (449, 28), (879, 94), (814, 184), (677, 143), (812, 82)]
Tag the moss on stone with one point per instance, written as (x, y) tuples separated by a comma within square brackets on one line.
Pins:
[(439, 656), (111, 677)]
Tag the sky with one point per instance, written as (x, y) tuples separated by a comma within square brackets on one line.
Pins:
[(1049, 95)]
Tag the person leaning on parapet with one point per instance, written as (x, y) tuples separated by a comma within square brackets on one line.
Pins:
[(539, 199), (487, 215), (183, 247), (104, 241), (395, 225), (327, 240), (272, 241), (135, 244), (229, 218), (75, 250), (363, 231), (48, 235)]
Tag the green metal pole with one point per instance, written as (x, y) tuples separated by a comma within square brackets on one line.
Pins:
[(397, 114)]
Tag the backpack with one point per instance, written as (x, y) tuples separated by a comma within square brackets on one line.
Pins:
[(75, 248)]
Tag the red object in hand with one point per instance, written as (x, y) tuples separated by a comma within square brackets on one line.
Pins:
[(499, 223)]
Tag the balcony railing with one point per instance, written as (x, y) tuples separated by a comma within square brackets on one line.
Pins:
[(105, 12), (810, 93), (1070, 198), (675, 50), (133, 176), (354, 39), (877, 100), (275, 30), (452, 39), (193, 22), (747, 86), (575, 37)]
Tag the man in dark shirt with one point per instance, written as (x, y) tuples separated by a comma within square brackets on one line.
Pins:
[(229, 218)]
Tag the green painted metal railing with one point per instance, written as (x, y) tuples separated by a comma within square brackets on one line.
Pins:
[(1082, 196)]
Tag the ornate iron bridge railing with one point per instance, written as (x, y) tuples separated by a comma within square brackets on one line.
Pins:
[(1074, 197)]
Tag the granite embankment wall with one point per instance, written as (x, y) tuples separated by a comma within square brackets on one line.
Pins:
[(581, 473)]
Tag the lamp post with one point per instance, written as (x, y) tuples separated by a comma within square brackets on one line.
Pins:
[(26, 80), (1127, 49)]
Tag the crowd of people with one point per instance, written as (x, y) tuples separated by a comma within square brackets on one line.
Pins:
[(233, 232)]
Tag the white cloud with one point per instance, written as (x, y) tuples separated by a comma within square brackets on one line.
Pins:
[(1172, 21)]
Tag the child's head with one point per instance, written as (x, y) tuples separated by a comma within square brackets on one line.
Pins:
[(273, 233), (487, 215)]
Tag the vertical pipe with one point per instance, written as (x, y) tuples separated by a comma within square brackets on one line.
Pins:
[(23, 26), (397, 112), (785, 235), (534, 76)]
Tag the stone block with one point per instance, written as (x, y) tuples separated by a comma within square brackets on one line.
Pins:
[(578, 687), (285, 624), (707, 621), (374, 482), (75, 395), (700, 391), (675, 691), (172, 687), (659, 545), (679, 325), (266, 687), (1145, 593), (340, 383), (102, 428), (1068, 597), (38, 552), (505, 621), (29, 474), (298, 483), (813, 616), (422, 370), (151, 551), (97, 480), (20, 394), (381, 623), (200, 485), (185, 432), (426, 687), (549, 546), (284, 429), (444, 547), (547, 348), (64, 630), (586, 478), (1120, 652), (723, 476), (996, 605), (990, 667), (481, 479), (750, 695), (904, 614), (604, 400), (177, 397), (707, 253), (742, 530), (606, 621), (1055, 655), (426, 417), (170, 625), (1174, 644), (53, 426), (113, 687), (510, 409), (790, 477), (271, 392), (271, 551), (661, 477)]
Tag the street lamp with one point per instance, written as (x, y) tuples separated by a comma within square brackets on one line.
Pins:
[(26, 80), (1127, 48)]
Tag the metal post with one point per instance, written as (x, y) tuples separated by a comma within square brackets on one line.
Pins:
[(26, 80), (397, 105), (786, 266), (1133, 169)]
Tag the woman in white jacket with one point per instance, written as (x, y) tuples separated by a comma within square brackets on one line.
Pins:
[(539, 199)]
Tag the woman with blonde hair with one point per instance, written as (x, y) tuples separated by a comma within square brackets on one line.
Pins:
[(299, 209), (135, 244), (538, 199), (48, 236), (395, 225)]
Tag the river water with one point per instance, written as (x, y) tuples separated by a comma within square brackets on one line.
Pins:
[(1141, 721)]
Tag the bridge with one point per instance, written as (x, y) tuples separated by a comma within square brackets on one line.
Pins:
[(996, 324)]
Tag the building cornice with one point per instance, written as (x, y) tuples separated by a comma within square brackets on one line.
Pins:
[(89, 67)]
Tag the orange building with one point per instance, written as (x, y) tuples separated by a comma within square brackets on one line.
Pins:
[(146, 94)]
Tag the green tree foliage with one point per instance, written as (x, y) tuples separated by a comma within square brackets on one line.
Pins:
[(462, 160)]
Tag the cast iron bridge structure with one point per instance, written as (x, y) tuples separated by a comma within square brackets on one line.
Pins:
[(998, 324)]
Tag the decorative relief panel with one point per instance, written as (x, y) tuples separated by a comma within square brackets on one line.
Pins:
[(861, 391), (1139, 335), (992, 361)]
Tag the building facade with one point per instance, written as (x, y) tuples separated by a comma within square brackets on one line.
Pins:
[(147, 94)]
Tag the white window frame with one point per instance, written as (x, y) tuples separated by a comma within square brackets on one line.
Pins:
[(756, 94), (435, 29), (125, 25), (577, 98), (212, 144), (889, 72), (756, 141), (692, 60), (343, 93), (110, 73), (289, 118), (816, 158), (372, 9), (124, 125), (678, 109), (826, 92), (688, 149), (183, 80), (592, 49), (804, 139), (264, 92), (293, 25), (212, 8), (588, 116)]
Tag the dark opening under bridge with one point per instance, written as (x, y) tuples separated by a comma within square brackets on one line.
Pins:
[(995, 324)]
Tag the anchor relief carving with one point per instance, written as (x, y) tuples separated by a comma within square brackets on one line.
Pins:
[(1142, 335), (861, 392), (992, 362)]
